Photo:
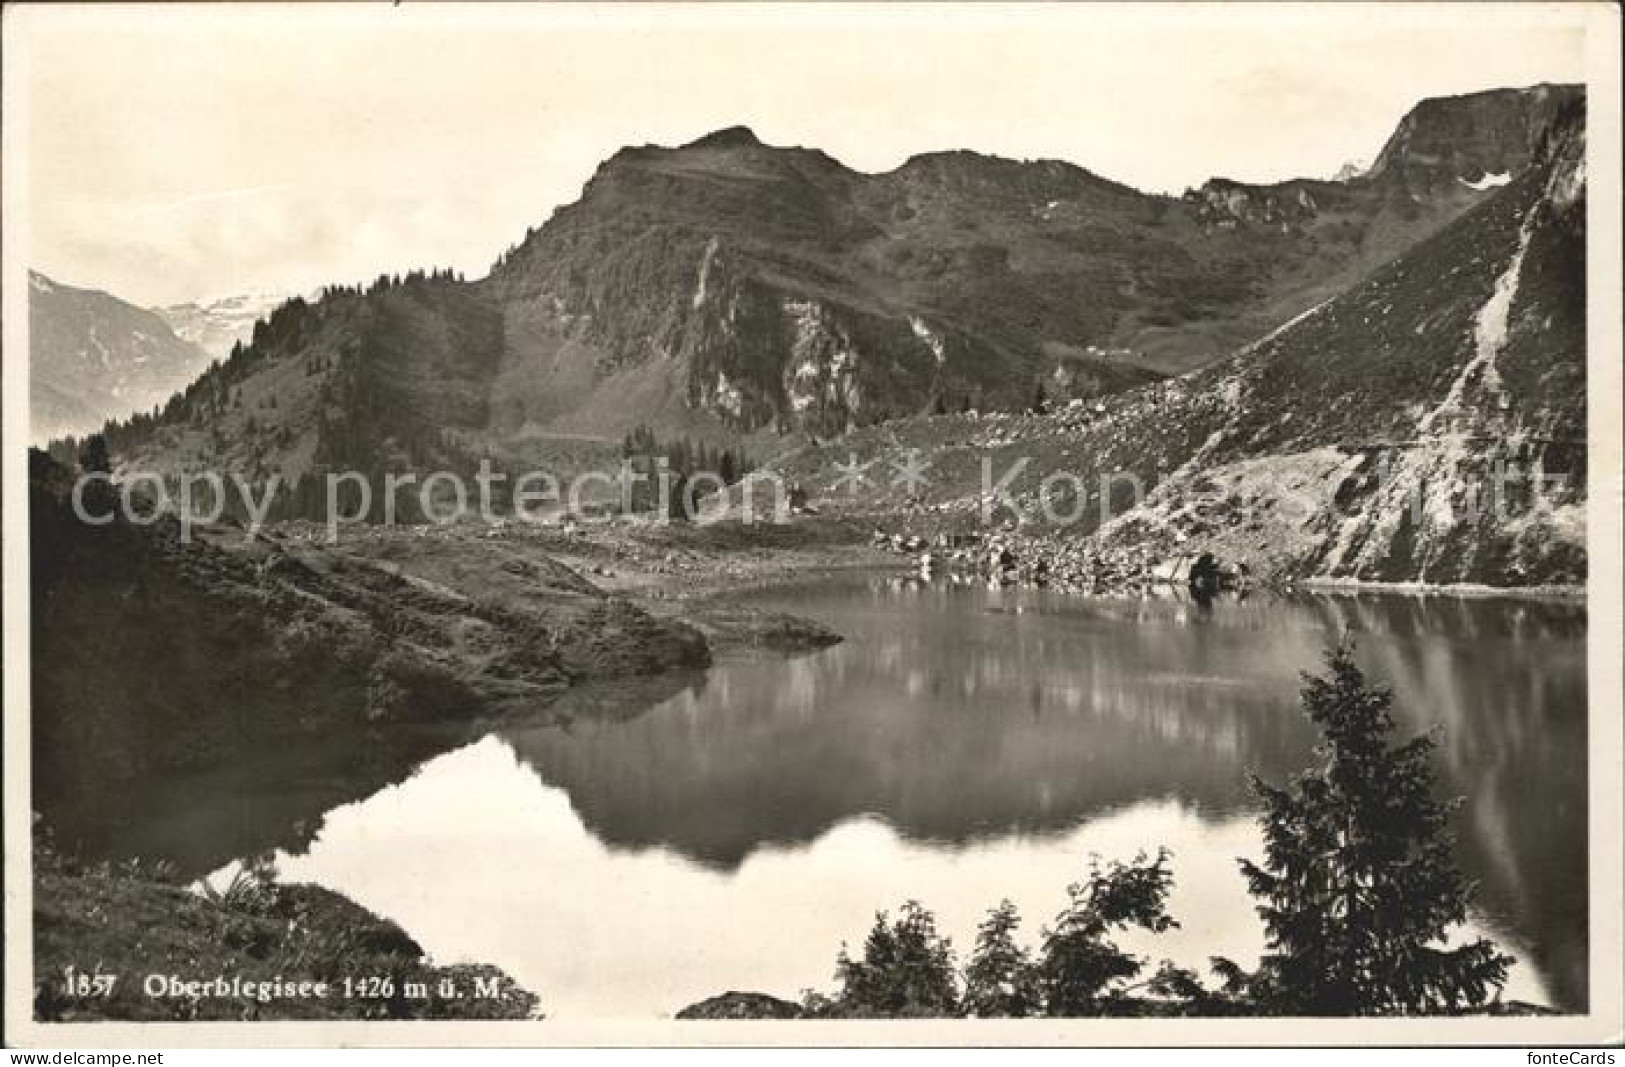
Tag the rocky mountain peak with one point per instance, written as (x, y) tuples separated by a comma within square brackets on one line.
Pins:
[(729, 137), (1465, 138), (1349, 171), (1225, 204)]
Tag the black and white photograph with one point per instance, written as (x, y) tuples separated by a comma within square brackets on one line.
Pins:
[(812, 524)]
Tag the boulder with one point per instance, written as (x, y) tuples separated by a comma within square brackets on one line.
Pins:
[(736, 1005)]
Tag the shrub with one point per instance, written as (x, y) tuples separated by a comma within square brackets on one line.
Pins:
[(907, 970), (1081, 971)]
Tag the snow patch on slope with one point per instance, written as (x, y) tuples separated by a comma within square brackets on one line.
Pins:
[(1487, 181), (706, 259), (1489, 337), (929, 337)]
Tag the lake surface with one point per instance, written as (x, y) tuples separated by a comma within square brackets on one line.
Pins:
[(730, 829)]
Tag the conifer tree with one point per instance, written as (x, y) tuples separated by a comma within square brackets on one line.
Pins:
[(999, 979), (1358, 888), (93, 457), (1040, 403)]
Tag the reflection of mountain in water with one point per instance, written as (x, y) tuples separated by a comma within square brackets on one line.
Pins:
[(955, 717), (733, 765), (202, 820), (966, 715), (967, 725)]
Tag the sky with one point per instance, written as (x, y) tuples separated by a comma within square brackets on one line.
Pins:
[(178, 153)]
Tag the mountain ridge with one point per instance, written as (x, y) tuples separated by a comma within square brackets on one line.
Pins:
[(728, 290), (867, 245), (1424, 427)]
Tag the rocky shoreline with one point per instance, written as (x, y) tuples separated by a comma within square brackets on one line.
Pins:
[(1086, 567), (1077, 566)]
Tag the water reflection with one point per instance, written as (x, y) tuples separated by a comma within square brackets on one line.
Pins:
[(483, 861), (200, 820), (604, 932), (635, 848), (960, 716)]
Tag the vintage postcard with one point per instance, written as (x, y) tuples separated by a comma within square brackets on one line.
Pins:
[(806, 524)]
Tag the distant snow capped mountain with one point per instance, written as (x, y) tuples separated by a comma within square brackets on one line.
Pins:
[(93, 357), (216, 325), (1354, 168)]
